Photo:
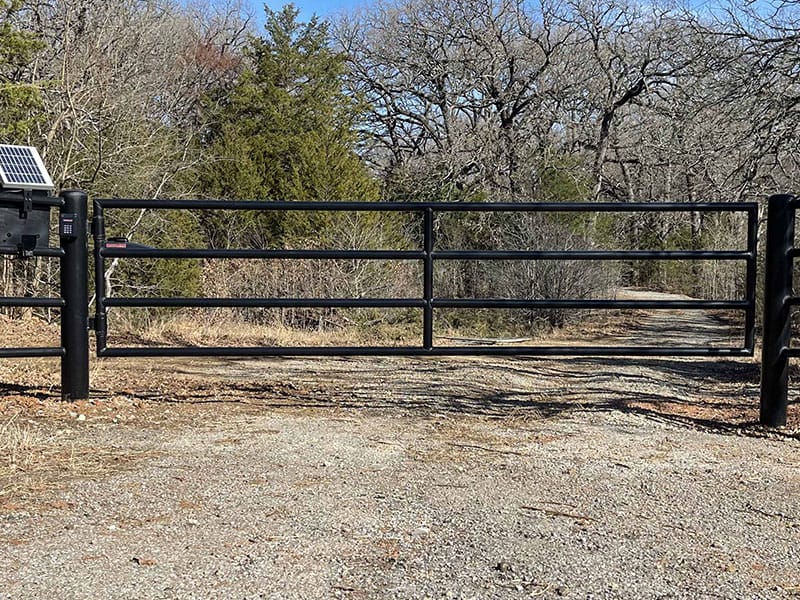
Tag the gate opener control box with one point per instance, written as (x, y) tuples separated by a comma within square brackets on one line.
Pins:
[(66, 225)]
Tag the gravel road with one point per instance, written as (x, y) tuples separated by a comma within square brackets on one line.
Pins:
[(400, 478)]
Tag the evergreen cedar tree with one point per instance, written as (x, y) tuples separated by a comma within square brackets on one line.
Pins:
[(284, 131)]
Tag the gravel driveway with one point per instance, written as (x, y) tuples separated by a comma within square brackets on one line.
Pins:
[(400, 478)]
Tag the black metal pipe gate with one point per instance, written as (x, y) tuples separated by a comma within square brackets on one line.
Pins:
[(427, 301), (73, 254)]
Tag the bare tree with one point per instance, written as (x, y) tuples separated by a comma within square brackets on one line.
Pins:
[(121, 85), (457, 89), (124, 80)]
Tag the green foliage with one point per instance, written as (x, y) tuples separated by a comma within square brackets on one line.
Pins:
[(20, 110), (284, 131), (563, 179), (176, 277), (161, 229), (20, 101)]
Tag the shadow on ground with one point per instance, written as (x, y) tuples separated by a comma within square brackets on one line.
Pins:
[(720, 395)]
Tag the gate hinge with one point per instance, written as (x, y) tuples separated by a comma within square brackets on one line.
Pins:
[(97, 225)]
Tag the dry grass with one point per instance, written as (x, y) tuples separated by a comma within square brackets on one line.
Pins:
[(186, 331), (25, 454), (33, 457), (17, 445)]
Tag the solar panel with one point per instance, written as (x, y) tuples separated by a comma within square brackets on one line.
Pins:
[(21, 167)]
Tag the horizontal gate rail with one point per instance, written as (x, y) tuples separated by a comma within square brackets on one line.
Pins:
[(591, 255), (44, 252), (32, 352), (614, 207), (32, 302), (187, 253), (593, 304), (180, 302), (266, 302), (532, 351), (428, 255), (14, 199)]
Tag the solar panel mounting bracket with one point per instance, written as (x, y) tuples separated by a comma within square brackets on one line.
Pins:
[(27, 204)]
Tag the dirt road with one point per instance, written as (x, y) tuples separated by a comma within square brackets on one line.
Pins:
[(402, 478)]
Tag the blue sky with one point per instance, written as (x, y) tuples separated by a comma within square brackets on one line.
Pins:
[(322, 8), (327, 8)]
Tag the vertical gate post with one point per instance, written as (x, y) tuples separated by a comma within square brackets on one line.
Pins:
[(73, 235), (427, 316), (99, 239), (777, 310)]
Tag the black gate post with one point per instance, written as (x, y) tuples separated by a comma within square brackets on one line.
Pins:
[(427, 316), (74, 238), (777, 310)]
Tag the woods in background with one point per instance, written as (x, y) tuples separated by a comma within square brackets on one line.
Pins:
[(433, 100)]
